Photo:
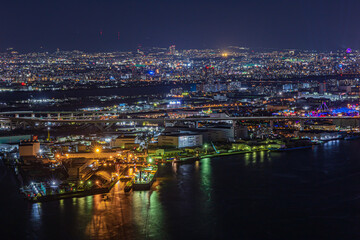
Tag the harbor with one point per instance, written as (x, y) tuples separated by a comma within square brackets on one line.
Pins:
[(268, 145), (138, 177), (98, 176), (268, 180)]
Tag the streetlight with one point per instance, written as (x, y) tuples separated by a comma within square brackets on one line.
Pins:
[(206, 148), (48, 138)]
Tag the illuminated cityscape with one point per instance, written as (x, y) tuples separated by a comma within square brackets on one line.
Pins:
[(157, 128)]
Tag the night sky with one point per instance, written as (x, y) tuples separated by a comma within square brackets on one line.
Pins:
[(28, 25)]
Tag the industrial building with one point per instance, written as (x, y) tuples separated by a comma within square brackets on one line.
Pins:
[(124, 142), (29, 148), (180, 140)]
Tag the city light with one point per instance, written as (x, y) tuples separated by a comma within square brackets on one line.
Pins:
[(247, 128)]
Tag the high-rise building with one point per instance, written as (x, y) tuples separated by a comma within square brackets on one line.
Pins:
[(172, 50), (322, 88)]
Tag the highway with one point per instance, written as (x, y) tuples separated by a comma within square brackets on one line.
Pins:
[(191, 119)]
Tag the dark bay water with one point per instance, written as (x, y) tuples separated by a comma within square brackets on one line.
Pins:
[(309, 194), (125, 91)]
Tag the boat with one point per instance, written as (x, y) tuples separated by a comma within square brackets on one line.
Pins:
[(283, 149), (352, 137), (317, 142), (128, 186), (125, 178), (144, 179), (187, 159), (46, 198), (332, 138), (105, 197)]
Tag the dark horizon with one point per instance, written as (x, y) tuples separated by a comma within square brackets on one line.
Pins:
[(255, 49), (106, 26)]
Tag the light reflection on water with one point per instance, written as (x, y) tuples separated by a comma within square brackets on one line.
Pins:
[(262, 154), (255, 195), (36, 213), (140, 215), (247, 158), (206, 182), (136, 215), (206, 172), (255, 159), (254, 154)]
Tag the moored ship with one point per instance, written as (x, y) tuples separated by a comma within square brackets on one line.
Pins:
[(144, 178)]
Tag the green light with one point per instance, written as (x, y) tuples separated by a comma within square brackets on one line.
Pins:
[(150, 159)]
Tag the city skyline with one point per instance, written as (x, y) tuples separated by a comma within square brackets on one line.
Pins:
[(180, 120), (120, 26), (166, 49)]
